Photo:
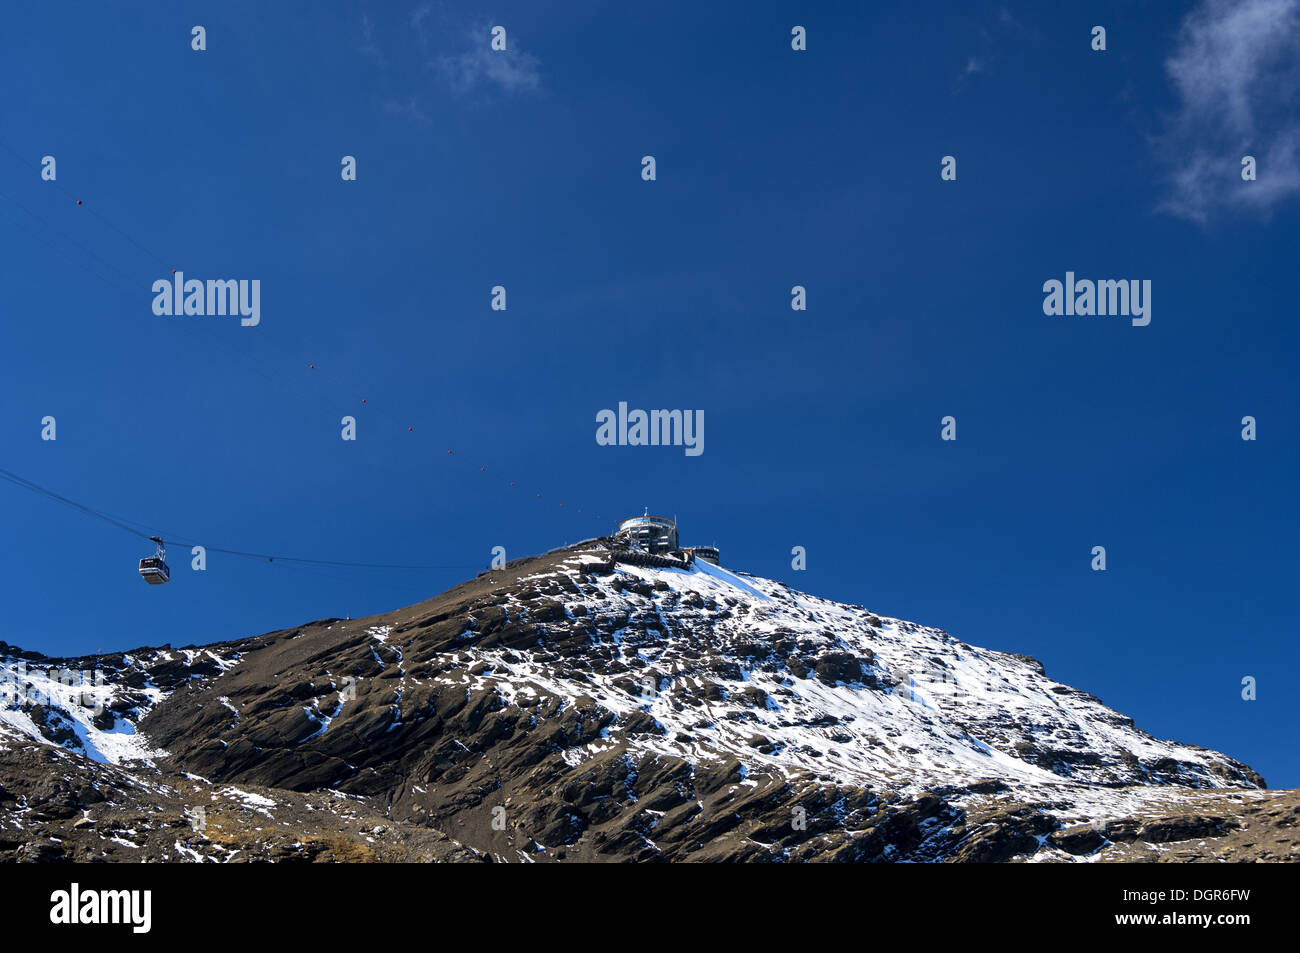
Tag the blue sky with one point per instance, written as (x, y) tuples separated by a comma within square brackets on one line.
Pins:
[(774, 168)]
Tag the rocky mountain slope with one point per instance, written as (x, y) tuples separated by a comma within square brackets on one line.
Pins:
[(569, 708)]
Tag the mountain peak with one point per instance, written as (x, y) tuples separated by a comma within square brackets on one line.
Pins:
[(609, 701)]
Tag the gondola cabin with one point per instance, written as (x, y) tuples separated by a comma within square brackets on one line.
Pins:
[(153, 568)]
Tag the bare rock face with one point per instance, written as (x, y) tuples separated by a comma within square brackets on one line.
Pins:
[(555, 710)]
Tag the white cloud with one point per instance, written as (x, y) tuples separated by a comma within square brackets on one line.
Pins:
[(992, 37), (408, 108), (510, 70), (1236, 70), (418, 17), (368, 44), (463, 59)]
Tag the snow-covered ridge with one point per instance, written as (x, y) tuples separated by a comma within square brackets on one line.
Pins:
[(93, 709), (728, 664), (702, 664)]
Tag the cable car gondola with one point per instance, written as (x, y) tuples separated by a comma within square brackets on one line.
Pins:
[(154, 568)]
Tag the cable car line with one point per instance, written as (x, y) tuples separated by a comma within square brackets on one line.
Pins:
[(108, 266), (91, 209), (27, 484), (185, 541)]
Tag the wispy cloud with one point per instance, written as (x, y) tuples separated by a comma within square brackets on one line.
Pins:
[(434, 43), (408, 108), (1236, 70), (478, 66), (368, 45), (992, 34), (419, 17)]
